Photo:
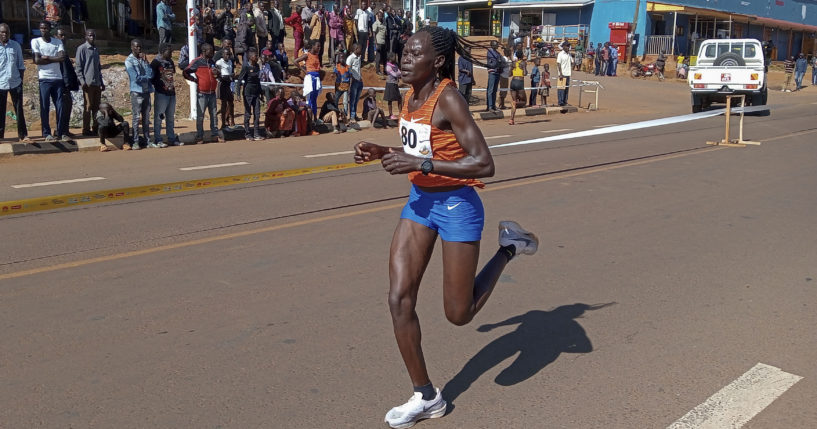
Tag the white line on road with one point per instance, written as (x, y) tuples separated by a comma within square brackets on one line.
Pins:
[(557, 131), (318, 155), (602, 126), (498, 137), (204, 167), (737, 403), (57, 182)]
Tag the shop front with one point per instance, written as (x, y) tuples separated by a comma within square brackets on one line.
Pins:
[(467, 17)]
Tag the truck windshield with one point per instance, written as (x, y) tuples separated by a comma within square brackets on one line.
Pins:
[(714, 50)]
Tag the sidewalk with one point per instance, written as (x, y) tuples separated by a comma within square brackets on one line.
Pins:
[(185, 128)]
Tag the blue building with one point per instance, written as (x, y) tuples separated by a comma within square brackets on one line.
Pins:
[(680, 26), (670, 26)]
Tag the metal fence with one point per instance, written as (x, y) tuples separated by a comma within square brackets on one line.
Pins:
[(658, 44)]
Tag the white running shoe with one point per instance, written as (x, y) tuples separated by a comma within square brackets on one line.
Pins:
[(525, 242), (416, 409)]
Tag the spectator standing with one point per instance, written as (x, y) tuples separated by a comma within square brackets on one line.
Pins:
[(312, 80), (356, 84), (350, 27), (202, 71), (504, 76), (611, 69), (605, 59), (370, 50), (306, 17), (49, 53), (164, 20), (565, 69), (814, 70), (226, 67), (12, 69), (139, 73), (261, 23), (392, 92), (394, 25), (660, 63), (250, 79), (494, 63), (544, 84), (379, 31), (316, 25), (276, 24), (465, 78), (800, 67), (534, 82), (335, 23), (343, 80), (208, 22), (296, 23), (224, 24), (90, 79), (363, 29), (163, 73), (789, 69), (70, 84)]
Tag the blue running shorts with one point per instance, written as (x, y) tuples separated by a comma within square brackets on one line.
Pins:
[(455, 215)]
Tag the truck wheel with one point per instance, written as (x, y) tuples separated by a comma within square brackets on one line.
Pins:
[(696, 108), (729, 59), (764, 95)]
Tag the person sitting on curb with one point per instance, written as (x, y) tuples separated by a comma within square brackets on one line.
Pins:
[(106, 119), (331, 113), (371, 111)]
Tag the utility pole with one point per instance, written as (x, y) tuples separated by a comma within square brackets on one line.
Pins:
[(630, 42)]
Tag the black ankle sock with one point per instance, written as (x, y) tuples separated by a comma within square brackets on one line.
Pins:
[(510, 251), (428, 391)]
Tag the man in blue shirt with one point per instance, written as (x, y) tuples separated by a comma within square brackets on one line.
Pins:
[(139, 73), (164, 20), (494, 62), (466, 76), (611, 69), (800, 67), (11, 82)]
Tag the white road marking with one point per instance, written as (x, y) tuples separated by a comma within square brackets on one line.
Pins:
[(741, 400), (57, 182), (498, 137), (345, 152), (557, 131), (204, 167), (602, 126)]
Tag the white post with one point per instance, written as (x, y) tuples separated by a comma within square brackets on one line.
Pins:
[(674, 26), (191, 46), (413, 15)]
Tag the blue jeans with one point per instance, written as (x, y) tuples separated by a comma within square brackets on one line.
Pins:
[(354, 97), (493, 85), (206, 102), (164, 108), (611, 69), (51, 90), (798, 79), (563, 92), (140, 109), (814, 76)]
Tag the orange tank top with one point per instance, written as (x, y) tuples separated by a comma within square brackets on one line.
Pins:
[(313, 63), (421, 138)]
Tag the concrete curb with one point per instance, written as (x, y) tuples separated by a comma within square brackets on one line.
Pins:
[(91, 144)]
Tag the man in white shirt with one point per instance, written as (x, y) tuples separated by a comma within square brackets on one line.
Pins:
[(48, 54), (356, 84), (564, 66), (363, 30)]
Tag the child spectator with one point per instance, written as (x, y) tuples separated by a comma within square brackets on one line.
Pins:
[(250, 79), (281, 56), (331, 113), (371, 111), (312, 80), (534, 82), (226, 87), (108, 128), (392, 92), (544, 84), (342, 81)]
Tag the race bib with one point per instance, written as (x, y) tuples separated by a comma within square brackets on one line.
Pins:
[(416, 138)]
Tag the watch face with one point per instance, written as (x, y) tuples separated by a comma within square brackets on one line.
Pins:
[(426, 166)]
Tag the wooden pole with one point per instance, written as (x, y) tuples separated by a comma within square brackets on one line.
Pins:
[(635, 25)]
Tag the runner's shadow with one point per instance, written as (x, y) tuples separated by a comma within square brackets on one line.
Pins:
[(539, 339)]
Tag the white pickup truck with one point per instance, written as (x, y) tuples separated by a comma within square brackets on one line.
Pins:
[(728, 67)]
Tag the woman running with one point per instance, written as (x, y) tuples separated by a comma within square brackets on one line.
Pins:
[(444, 154), (519, 71)]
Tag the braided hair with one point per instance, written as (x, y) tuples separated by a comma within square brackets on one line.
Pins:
[(447, 42)]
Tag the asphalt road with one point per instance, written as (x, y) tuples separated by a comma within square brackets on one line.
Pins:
[(667, 269)]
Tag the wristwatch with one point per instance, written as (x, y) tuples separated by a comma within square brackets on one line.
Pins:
[(426, 167)]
